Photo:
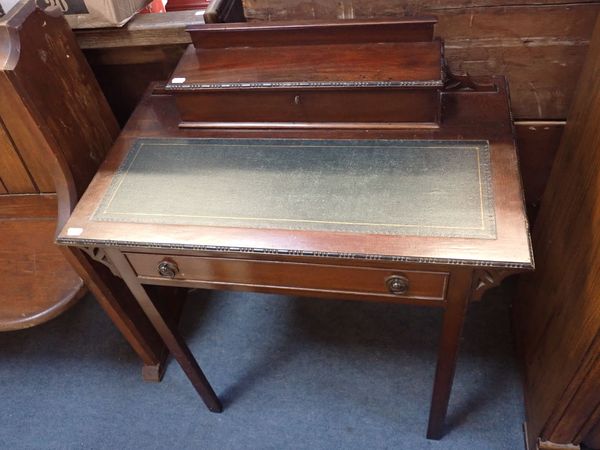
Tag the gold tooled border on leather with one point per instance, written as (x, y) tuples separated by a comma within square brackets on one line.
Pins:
[(481, 148)]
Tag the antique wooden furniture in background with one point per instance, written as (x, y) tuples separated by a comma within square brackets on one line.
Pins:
[(239, 213), (557, 315), (146, 49), (43, 284), (55, 129)]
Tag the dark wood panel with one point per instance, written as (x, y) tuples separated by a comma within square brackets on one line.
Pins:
[(125, 72), (411, 29), (348, 9), (558, 315), (31, 206), (13, 173), (279, 9), (537, 143), (60, 90), (27, 140), (540, 49), (583, 409), (305, 107), (411, 62), (592, 440), (484, 38)]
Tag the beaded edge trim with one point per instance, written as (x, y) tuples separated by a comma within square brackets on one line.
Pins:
[(284, 252), (307, 84)]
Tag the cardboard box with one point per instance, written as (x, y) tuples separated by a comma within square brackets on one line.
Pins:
[(96, 13), (6, 5)]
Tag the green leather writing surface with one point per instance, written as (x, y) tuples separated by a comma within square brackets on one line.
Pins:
[(424, 188)]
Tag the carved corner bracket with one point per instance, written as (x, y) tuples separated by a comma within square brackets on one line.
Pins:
[(484, 279), (463, 82), (99, 255)]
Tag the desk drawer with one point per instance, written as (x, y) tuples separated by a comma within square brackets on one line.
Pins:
[(294, 278), (309, 106)]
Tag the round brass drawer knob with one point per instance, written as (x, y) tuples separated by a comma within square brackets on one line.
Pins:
[(397, 284), (168, 269)]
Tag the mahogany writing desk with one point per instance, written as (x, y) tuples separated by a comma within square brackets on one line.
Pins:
[(430, 216)]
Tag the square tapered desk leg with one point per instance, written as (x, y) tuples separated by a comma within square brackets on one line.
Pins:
[(173, 340), (123, 309), (454, 317)]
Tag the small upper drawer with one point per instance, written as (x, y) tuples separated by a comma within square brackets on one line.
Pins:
[(247, 107), (302, 278)]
